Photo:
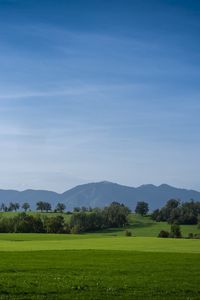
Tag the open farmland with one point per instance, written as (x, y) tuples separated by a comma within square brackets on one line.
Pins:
[(97, 266), (99, 274), (101, 265)]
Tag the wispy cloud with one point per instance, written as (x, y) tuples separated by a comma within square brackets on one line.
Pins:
[(72, 90)]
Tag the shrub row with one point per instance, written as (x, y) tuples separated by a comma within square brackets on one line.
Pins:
[(115, 215)]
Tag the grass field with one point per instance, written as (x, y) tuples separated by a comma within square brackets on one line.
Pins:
[(92, 274), (35, 242), (103, 265), (144, 226)]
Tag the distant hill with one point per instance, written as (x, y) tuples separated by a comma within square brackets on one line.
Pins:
[(30, 196), (102, 193)]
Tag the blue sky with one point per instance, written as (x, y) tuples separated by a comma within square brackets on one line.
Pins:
[(99, 90)]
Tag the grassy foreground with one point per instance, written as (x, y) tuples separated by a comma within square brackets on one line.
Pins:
[(103, 265), (92, 274)]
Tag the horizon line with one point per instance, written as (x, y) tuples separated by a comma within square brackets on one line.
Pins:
[(99, 182)]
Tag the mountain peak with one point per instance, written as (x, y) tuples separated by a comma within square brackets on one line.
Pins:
[(105, 182), (100, 194), (164, 185)]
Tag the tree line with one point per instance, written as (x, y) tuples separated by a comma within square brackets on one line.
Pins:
[(41, 206), (26, 223), (114, 215), (175, 211), (85, 219)]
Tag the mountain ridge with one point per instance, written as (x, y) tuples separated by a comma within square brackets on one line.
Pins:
[(99, 194)]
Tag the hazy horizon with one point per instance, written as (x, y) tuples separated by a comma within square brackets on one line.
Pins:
[(101, 182), (99, 90)]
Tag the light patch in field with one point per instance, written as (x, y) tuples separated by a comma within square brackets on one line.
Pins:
[(87, 242)]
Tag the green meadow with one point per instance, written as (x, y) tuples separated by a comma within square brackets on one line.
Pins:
[(144, 226), (97, 274), (102, 265), (37, 242)]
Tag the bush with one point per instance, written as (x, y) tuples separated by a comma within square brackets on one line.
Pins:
[(175, 231), (163, 234), (190, 235), (76, 229), (197, 236), (128, 233)]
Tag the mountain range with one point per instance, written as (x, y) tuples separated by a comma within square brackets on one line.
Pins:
[(100, 194)]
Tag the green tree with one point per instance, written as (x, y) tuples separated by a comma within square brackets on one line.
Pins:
[(54, 224), (175, 231), (47, 206), (13, 206), (116, 215), (3, 207), (172, 203), (40, 206), (28, 223), (16, 206), (142, 208), (60, 207), (176, 212), (156, 215), (25, 206), (83, 208), (77, 209), (76, 229)]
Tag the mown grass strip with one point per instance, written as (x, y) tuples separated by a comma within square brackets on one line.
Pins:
[(85, 242)]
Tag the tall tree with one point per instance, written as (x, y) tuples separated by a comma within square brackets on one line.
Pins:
[(26, 206), (47, 206), (16, 206), (40, 206), (60, 207), (142, 208), (11, 206), (116, 215), (3, 207)]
